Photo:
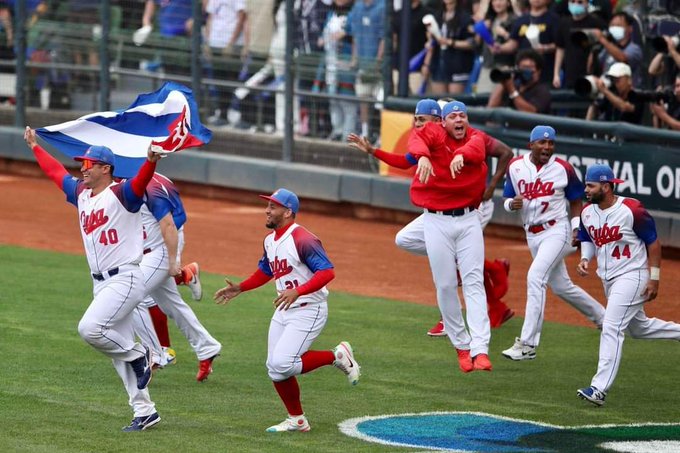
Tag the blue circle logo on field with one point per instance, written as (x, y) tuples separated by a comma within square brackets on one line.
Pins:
[(480, 432)]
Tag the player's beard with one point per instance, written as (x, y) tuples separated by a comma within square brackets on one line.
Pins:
[(596, 197)]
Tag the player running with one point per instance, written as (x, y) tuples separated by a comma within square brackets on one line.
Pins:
[(541, 185), (295, 258), (111, 228), (623, 235)]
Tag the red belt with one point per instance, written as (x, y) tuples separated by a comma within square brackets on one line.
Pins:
[(535, 229)]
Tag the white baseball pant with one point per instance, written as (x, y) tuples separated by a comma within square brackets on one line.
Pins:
[(291, 334), (106, 325), (452, 241), (625, 310)]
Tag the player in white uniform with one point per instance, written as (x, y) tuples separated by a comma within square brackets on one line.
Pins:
[(111, 228), (541, 186), (163, 217), (623, 235), (297, 260)]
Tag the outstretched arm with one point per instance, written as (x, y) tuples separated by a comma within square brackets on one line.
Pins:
[(51, 166)]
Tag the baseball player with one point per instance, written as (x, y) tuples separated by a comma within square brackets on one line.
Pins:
[(622, 234), (540, 186), (295, 258), (111, 228), (448, 184), (163, 217), (411, 237)]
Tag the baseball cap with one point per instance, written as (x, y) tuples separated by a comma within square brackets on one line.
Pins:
[(453, 106), (98, 154), (601, 173), (541, 133), (285, 198), (428, 107), (619, 70)]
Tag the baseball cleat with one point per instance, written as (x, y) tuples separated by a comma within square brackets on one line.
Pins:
[(143, 369), (592, 394), (464, 360), (142, 423), (344, 360), (292, 423), (520, 351), (438, 330), (170, 356), (192, 280), (205, 368), (481, 362)]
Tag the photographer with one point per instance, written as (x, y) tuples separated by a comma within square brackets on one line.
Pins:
[(664, 65), (521, 87), (617, 103), (620, 48), (668, 114)]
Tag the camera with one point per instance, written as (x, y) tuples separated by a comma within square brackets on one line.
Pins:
[(502, 74), (587, 86), (660, 45), (666, 95)]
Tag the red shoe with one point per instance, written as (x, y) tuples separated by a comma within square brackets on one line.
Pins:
[(481, 362), (437, 330), (464, 360), (506, 316), (204, 369)]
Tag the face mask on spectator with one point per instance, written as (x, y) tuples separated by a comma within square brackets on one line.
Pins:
[(617, 32), (577, 9), (526, 75)]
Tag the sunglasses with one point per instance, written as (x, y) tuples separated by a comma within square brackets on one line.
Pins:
[(88, 164)]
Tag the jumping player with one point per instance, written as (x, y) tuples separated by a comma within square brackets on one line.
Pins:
[(623, 235), (297, 260), (163, 217), (111, 228), (541, 185)]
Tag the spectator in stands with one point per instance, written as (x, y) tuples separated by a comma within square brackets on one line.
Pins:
[(615, 104), (365, 24), (310, 17), (535, 30), (175, 19), (7, 42), (451, 57), (598, 8), (498, 16), (339, 78), (668, 115), (417, 33), (86, 12), (572, 57), (525, 91), (620, 49), (664, 66), (228, 42)]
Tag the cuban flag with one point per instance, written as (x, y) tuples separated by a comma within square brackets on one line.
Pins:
[(166, 119)]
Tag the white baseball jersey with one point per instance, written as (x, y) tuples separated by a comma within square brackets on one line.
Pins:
[(162, 198), (110, 225), (620, 234), (292, 259), (546, 189)]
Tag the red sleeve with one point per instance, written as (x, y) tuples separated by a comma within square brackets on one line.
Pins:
[(319, 280), (474, 151), (393, 159), (419, 141), (51, 166), (256, 280), (140, 181)]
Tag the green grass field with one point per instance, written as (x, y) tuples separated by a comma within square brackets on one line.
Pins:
[(59, 395)]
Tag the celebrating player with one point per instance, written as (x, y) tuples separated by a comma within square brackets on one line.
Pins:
[(540, 185), (298, 262), (111, 228), (623, 234), (163, 217)]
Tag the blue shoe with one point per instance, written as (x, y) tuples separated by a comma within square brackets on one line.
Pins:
[(142, 423), (142, 368), (592, 394)]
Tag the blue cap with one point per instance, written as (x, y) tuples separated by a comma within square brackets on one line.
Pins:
[(542, 133), (601, 173), (98, 154), (285, 198), (453, 106), (428, 107)]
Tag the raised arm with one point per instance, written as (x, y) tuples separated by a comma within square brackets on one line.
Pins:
[(49, 165)]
